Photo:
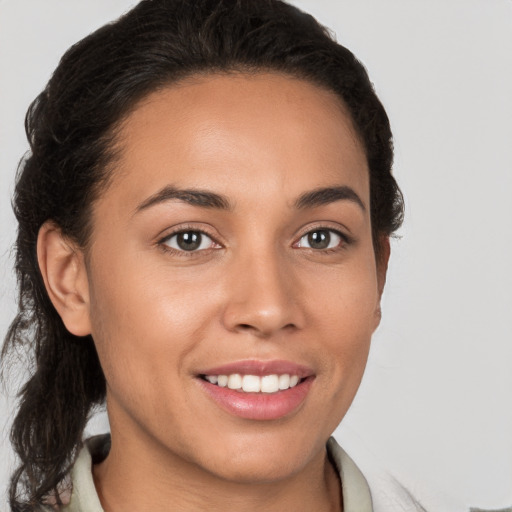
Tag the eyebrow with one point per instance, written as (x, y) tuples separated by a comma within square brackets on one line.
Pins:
[(206, 199), (194, 197), (327, 195)]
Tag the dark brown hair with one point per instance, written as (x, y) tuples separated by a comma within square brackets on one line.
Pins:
[(71, 127)]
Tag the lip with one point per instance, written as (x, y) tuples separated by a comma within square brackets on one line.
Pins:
[(259, 406), (260, 368)]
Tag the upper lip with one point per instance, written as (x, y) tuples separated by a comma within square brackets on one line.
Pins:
[(260, 368)]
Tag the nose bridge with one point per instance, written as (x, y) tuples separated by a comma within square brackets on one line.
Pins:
[(261, 295)]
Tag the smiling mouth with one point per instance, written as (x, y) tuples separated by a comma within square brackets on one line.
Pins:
[(258, 390), (253, 383)]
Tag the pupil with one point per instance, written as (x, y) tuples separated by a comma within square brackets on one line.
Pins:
[(189, 240), (319, 239)]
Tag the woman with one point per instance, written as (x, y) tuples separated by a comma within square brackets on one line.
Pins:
[(204, 222)]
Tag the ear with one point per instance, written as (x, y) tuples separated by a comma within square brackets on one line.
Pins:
[(64, 273), (382, 262), (382, 269)]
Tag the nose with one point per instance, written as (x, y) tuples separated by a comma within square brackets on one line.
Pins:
[(263, 296)]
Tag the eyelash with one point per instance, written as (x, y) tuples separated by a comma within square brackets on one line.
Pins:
[(345, 240), (163, 242)]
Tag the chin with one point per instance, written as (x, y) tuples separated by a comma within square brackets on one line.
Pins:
[(260, 470), (263, 456)]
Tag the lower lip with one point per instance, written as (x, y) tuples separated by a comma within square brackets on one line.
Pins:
[(259, 406)]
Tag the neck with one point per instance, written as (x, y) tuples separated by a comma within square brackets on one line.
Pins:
[(134, 477)]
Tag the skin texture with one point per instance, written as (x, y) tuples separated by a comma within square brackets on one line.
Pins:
[(253, 291)]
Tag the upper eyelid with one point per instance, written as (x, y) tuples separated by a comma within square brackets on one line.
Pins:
[(163, 244), (339, 229), (204, 233), (332, 230), (345, 238), (170, 232)]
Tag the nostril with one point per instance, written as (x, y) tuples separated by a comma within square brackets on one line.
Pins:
[(261, 331), (261, 317)]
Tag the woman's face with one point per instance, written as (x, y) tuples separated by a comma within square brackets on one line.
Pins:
[(233, 248)]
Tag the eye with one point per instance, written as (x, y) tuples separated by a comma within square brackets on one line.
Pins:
[(189, 241), (321, 239)]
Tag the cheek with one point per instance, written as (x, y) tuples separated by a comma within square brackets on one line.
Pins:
[(144, 320), (346, 299), (345, 313)]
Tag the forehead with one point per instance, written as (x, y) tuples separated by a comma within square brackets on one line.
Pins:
[(235, 132)]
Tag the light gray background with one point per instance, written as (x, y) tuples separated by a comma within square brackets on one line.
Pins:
[(435, 405)]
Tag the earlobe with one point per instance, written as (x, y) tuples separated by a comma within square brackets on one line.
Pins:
[(63, 269)]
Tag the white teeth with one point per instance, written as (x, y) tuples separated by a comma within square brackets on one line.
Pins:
[(235, 381), (253, 383), (284, 381), (270, 384)]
